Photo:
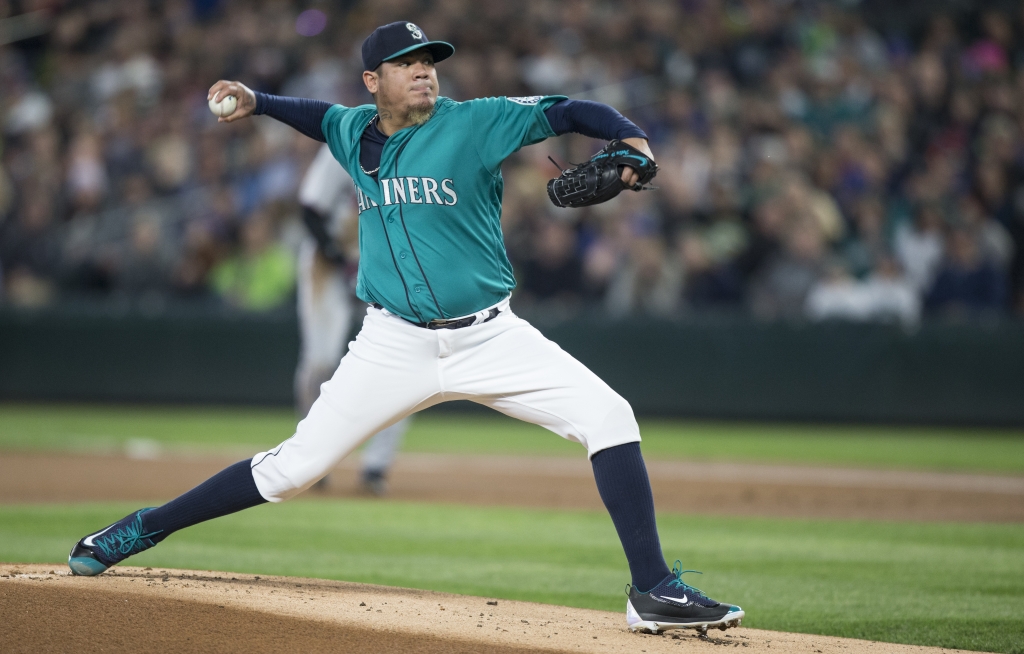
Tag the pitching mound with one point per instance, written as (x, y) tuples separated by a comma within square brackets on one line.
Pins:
[(135, 609)]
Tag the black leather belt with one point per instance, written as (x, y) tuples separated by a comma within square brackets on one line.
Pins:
[(457, 323)]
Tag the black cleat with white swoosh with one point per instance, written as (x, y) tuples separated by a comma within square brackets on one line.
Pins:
[(673, 604), (109, 546)]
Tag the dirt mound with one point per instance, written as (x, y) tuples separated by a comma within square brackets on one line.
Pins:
[(134, 609)]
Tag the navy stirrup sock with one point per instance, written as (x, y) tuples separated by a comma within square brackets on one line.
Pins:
[(622, 481), (230, 490), (619, 471)]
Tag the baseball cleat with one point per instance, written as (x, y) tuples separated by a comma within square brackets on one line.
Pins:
[(110, 545), (673, 604), (374, 482)]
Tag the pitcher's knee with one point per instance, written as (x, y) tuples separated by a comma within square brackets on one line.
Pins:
[(276, 483), (617, 428)]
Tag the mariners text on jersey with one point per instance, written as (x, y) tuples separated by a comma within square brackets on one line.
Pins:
[(430, 237), (412, 190)]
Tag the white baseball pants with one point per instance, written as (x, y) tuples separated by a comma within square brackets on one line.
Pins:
[(394, 369)]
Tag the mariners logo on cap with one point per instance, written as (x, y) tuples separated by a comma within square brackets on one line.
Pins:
[(416, 33)]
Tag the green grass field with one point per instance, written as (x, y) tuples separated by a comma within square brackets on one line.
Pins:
[(954, 585), (931, 584), (105, 428)]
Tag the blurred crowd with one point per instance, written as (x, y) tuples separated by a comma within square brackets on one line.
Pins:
[(814, 164)]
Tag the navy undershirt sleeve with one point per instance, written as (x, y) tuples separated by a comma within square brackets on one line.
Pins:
[(304, 115), (591, 119), (371, 146)]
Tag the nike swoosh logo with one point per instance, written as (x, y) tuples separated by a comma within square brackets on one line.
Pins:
[(675, 599), (88, 539), (623, 153)]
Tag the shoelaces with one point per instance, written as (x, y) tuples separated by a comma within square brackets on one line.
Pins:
[(678, 572), (126, 540)]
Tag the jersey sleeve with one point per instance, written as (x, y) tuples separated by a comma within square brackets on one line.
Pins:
[(503, 125), (334, 129)]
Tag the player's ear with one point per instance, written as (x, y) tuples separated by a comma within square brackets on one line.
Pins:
[(371, 79)]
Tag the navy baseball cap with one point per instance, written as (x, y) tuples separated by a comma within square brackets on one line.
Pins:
[(396, 39)]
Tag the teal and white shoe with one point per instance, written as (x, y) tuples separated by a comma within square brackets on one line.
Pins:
[(673, 604), (111, 545)]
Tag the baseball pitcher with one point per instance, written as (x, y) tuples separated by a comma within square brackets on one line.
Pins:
[(439, 327)]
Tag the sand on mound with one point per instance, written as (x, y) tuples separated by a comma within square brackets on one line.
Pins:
[(131, 609)]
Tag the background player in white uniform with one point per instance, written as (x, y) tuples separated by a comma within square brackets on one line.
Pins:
[(327, 304)]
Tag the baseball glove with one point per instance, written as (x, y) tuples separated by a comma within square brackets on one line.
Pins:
[(600, 179)]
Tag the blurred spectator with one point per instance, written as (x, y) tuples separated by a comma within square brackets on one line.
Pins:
[(555, 272), (6, 195), (920, 246), (780, 291), (967, 284), (201, 253), (261, 275), (766, 239), (29, 251), (710, 280), (868, 243), (649, 282), (994, 241), (87, 175), (143, 270), (885, 296), (788, 134), (647, 279), (709, 254)]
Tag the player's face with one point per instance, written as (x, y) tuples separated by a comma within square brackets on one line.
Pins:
[(408, 84)]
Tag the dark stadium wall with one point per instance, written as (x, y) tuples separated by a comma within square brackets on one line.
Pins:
[(709, 368)]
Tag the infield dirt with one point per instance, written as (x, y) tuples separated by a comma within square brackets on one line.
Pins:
[(130, 609), (144, 609), (679, 487)]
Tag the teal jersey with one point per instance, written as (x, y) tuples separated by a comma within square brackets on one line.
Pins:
[(430, 242)]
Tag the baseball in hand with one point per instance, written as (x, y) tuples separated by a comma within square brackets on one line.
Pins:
[(225, 107)]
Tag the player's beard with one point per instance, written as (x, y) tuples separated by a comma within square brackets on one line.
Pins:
[(421, 114), (414, 115)]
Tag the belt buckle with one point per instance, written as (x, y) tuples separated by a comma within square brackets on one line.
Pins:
[(439, 324), (458, 323)]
